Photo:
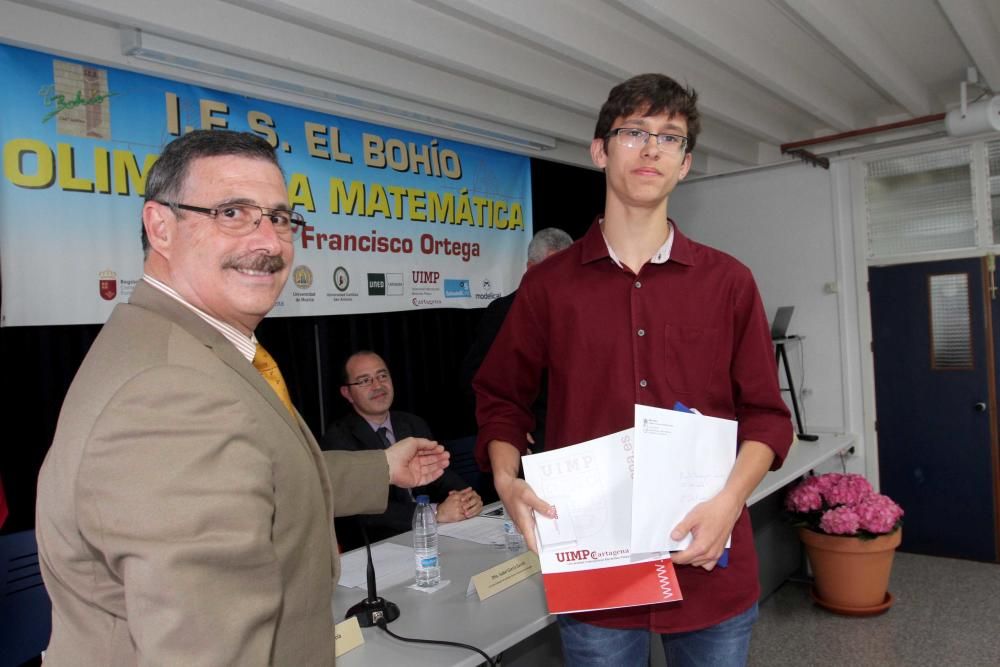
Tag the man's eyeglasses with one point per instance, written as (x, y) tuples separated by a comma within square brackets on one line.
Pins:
[(382, 377), (241, 219), (633, 137)]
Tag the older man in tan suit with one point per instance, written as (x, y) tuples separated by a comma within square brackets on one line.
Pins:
[(184, 510)]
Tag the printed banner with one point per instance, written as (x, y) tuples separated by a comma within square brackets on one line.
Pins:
[(396, 220)]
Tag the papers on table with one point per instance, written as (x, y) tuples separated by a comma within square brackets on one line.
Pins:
[(479, 529), (681, 459), (393, 563)]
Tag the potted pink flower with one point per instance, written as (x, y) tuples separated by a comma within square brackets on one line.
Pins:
[(838, 504), (850, 533)]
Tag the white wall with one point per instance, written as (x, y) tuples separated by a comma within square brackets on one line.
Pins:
[(791, 225)]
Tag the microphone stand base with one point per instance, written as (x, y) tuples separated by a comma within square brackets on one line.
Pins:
[(369, 612)]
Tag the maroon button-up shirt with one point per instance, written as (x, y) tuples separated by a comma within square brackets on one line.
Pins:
[(692, 330)]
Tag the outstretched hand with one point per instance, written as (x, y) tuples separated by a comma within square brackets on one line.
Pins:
[(415, 462)]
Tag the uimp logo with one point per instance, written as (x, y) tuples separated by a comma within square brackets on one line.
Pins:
[(571, 556), (425, 277)]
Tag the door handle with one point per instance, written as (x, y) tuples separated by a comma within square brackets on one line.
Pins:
[(979, 407)]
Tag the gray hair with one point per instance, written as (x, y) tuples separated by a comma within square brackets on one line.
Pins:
[(169, 171), (546, 242)]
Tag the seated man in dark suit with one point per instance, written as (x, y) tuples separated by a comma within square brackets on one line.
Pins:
[(367, 386)]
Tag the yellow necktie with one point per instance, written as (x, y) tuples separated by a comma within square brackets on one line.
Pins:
[(268, 368)]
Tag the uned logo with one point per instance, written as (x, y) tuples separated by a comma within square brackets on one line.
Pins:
[(376, 284)]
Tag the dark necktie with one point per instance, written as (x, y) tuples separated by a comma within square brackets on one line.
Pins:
[(383, 435)]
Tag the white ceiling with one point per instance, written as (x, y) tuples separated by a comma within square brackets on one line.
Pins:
[(768, 72)]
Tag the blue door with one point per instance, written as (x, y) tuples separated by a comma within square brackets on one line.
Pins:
[(934, 348)]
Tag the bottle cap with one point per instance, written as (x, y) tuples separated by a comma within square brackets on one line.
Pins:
[(423, 500)]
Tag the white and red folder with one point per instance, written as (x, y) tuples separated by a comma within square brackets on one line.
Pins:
[(587, 563), (607, 585), (618, 498)]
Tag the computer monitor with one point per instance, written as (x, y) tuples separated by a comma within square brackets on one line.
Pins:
[(779, 327)]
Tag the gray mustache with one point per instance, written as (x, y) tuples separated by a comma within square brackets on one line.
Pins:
[(268, 263)]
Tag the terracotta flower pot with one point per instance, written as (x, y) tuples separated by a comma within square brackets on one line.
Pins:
[(851, 574)]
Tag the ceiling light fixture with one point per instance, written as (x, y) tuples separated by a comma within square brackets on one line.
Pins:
[(167, 51), (977, 117)]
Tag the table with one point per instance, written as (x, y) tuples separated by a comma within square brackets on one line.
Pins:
[(803, 457), (779, 554), (492, 625)]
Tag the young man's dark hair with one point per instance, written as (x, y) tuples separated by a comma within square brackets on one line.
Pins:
[(650, 94)]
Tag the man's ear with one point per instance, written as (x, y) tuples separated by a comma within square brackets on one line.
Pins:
[(345, 391), (161, 227), (685, 166), (598, 153)]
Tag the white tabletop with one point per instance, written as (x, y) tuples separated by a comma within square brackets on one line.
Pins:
[(492, 625), (803, 457)]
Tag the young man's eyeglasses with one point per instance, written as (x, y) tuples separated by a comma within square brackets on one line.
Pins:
[(382, 377), (241, 219), (633, 137)]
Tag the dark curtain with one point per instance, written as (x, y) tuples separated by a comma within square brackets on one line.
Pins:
[(424, 351), (40, 364)]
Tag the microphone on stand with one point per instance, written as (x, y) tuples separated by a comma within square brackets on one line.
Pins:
[(373, 610)]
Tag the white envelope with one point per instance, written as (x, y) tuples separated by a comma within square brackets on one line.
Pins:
[(681, 459)]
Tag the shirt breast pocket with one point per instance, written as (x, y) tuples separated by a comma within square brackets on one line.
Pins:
[(691, 354)]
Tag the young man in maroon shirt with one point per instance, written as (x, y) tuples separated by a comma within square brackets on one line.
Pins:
[(635, 312)]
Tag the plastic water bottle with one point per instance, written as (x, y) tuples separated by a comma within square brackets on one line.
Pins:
[(512, 536), (425, 544)]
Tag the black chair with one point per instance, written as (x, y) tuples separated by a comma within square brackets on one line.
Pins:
[(25, 610)]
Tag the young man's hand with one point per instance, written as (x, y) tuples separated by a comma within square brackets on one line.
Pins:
[(710, 523), (518, 498)]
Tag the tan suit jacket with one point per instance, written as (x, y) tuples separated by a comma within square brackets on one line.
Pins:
[(184, 516)]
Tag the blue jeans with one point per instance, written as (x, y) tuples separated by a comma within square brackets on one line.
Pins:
[(724, 645)]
